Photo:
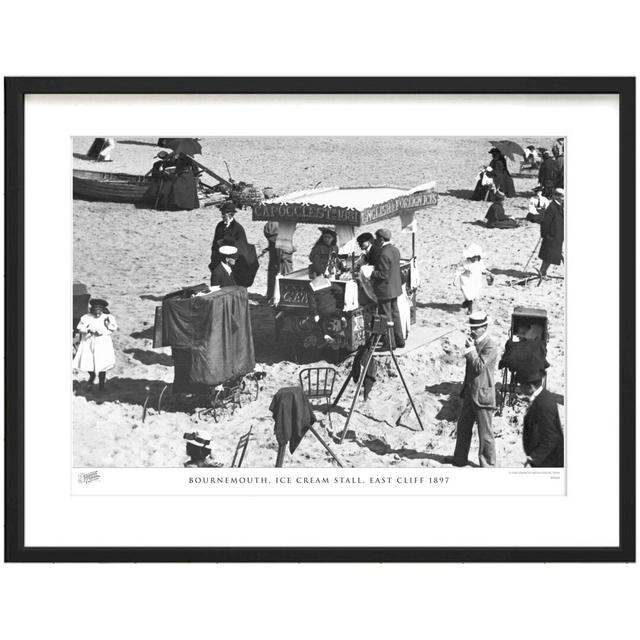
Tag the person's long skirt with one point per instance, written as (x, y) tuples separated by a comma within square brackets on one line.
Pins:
[(184, 193)]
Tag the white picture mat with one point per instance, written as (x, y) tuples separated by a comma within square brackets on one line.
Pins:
[(587, 516)]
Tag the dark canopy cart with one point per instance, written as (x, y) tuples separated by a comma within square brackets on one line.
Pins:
[(345, 208), (211, 342)]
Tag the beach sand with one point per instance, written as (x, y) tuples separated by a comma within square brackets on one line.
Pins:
[(133, 256)]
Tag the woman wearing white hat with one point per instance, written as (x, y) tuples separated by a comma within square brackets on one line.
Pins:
[(470, 275)]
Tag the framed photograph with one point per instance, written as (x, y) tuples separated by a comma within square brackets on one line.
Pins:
[(324, 320)]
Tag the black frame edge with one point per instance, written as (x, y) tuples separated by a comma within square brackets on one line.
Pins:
[(15, 90)]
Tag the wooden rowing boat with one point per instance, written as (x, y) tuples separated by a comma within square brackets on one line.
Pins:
[(113, 187)]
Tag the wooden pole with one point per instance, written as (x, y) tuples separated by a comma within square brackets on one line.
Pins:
[(155, 206), (282, 449), (326, 446), (395, 361), (359, 386), (532, 254), (413, 248), (342, 390), (211, 173)]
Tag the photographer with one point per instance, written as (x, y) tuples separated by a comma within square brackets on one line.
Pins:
[(387, 281), (478, 394)]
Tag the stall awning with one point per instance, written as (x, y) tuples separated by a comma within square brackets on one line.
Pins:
[(356, 206)]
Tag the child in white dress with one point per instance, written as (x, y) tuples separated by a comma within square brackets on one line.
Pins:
[(470, 276), (95, 353)]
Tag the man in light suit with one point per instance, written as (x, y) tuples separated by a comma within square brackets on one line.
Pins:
[(542, 436), (478, 393), (387, 282)]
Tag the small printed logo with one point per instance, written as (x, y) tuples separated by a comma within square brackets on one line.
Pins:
[(86, 478)]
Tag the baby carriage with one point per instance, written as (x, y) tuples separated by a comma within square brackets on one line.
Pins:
[(525, 351)]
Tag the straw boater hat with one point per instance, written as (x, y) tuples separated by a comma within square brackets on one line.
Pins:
[(228, 250), (199, 438), (558, 192), (472, 250), (478, 319)]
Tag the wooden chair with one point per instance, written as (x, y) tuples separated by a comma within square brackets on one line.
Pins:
[(241, 448), (317, 383)]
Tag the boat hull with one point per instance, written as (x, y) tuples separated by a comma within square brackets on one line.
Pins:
[(113, 187)]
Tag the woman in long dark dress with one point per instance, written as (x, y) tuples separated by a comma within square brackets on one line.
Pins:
[(501, 176), (163, 179), (184, 188)]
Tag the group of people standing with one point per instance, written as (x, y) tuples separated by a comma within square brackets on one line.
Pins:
[(551, 172), (176, 177)]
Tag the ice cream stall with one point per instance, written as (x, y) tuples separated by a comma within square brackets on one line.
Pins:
[(345, 210)]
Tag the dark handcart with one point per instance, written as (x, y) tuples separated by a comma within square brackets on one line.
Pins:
[(212, 346)]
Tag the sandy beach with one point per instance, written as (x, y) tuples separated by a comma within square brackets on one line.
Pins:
[(133, 256)]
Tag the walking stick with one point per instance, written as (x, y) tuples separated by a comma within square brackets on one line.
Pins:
[(532, 253)]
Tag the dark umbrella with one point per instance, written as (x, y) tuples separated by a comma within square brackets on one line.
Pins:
[(190, 146), (508, 148)]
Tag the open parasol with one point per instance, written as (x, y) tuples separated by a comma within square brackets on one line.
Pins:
[(509, 148), (190, 146)]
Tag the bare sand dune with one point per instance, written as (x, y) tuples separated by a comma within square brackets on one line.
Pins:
[(133, 256)]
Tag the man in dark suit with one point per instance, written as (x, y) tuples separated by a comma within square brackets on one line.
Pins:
[(228, 232), (552, 232), (222, 275), (386, 280), (542, 436), (548, 173), (478, 394)]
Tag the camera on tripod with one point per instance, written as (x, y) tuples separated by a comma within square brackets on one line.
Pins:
[(379, 325)]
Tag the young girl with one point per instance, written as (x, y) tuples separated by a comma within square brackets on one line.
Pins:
[(95, 353), (469, 276), (324, 255)]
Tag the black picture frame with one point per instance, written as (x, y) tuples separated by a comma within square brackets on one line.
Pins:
[(15, 91)]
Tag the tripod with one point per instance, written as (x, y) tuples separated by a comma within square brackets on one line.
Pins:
[(375, 339)]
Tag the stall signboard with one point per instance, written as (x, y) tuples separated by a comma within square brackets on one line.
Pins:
[(301, 212), (404, 204), (326, 214)]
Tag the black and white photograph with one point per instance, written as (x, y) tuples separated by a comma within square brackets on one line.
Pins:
[(319, 301)]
